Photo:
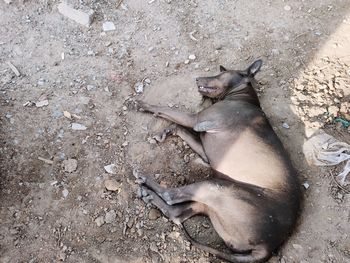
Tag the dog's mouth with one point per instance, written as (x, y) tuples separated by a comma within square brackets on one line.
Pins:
[(206, 89)]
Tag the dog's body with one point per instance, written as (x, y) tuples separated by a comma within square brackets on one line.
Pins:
[(254, 197)]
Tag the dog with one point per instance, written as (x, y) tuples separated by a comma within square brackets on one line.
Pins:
[(254, 197)]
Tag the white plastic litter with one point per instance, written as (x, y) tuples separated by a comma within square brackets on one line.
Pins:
[(322, 149)]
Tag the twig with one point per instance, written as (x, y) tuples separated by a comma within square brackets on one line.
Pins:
[(119, 3), (339, 185), (14, 69)]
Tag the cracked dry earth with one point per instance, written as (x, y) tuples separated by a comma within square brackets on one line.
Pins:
[(69, 128)]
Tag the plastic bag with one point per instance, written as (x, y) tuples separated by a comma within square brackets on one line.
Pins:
[(322, 149)]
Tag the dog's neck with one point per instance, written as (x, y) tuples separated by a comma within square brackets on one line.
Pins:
[(245, 92)]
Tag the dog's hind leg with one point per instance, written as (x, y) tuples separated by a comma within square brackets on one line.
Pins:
[(177, 213), (194, 192)]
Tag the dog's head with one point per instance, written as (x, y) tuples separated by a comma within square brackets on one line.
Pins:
[(218, 86)]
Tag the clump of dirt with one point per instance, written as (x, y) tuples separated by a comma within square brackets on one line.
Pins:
[(322, 93)]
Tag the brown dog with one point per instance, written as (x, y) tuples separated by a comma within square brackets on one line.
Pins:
[(254, 197)]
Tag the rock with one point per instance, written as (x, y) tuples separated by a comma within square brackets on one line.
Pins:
[(187, 61), (285, 125), (147, 81), (100, 221), (333, 111), (78, 127), (192, 57), (306, 185), (112, 185), (13, 68), (110, 217), (70, 165), (8, 1), (111, 168), (287, 8), (65, 193), (67, 114), (153, 214), (42, 103), (139, 87), (108, 26), (90, 87), (83, 18)]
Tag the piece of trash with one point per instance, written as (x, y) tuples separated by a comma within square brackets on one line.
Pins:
[(83, 18), (78, 127), (45, 160), (14, 69), (67, 114), (111, 168), (322, 149), (108, 26), (344, 122), (306, 185), (42, 103), (139, 87)]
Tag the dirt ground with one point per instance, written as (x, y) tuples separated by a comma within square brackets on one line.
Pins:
[(53, 202)]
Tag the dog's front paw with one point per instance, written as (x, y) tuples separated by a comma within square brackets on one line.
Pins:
[(161, 136)]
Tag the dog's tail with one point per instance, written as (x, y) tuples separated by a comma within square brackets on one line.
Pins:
[(257, 254)]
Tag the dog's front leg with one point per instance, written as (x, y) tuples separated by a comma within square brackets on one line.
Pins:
[(184, 119)]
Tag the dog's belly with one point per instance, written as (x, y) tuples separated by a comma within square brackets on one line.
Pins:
[(246, 158)]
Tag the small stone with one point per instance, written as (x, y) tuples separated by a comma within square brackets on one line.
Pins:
[(285, 125), (125, 108), (65, 193), (70, 165), (287, 8), (83, 18), (41, 82), (42, 103), (186, 158), (187, 61), (297, 247), (152, 141), (111, 168), (306, 185), (100, 221), (333, 110), (108, 26), (147, 81), (192, 57), (139, 87), (112, 185), (90, 87), (153, 214), (67, 114), (110, 217), (126, 143), (78, 127)]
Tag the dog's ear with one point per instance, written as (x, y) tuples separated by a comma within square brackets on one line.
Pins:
[(222, 69), (254, 68)]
